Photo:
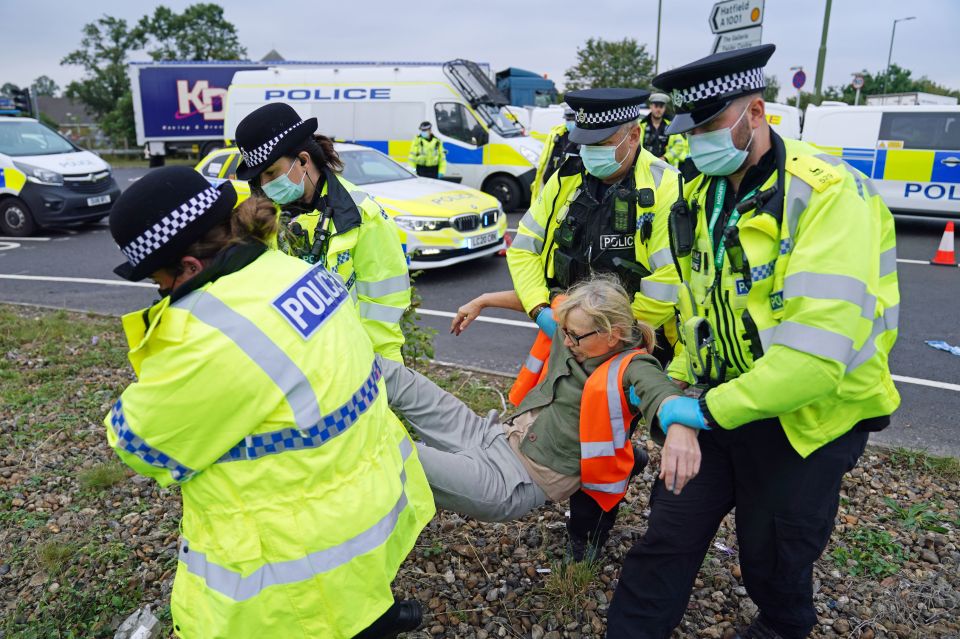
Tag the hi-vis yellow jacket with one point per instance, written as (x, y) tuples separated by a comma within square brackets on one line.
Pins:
[(366, 254), (543, 170), (260, 395), (821, 295), (424, 152), (530, 258)]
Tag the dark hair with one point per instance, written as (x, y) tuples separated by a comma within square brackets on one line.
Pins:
[(255, 220), (321, 152)]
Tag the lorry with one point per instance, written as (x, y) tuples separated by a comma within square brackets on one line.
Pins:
[(524, 88)]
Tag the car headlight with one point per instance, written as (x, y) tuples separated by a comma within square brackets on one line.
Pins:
[(531, 155), (417, 224), (38, 175)]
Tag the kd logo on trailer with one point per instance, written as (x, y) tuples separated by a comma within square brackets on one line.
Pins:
[(311, 300)]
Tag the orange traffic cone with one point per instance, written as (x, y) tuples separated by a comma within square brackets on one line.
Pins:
[(509, 240), (945, 254)]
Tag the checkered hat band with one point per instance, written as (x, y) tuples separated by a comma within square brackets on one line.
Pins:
[(603, 119), (260, 154), (166, 229), (751, 79)]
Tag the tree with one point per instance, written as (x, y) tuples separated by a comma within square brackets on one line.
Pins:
[(773, 88), (609, 63), (199, 33), (105, 88), (8, 89), (44, 85), (899, 80)]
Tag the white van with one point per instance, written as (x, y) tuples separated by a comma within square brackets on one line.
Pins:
[(381, 106), (911, 152), (784, 119), (46, 180)]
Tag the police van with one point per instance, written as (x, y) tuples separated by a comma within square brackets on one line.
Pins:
[(911, 152), (46, 180), (382, 105), (784, 119)]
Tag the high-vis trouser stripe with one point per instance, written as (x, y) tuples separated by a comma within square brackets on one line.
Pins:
[(395, 284), (661, 258), (614, 488), (531, 224), (380, 312), (659, 291), (533, 364), (592, 450), (831, 286), (329, 426), (888, 262), (527, 243), (234, 585), (135, 445), (815, 341), (262, 350)]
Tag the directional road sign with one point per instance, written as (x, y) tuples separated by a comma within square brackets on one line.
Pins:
[(732, 15), (741, 39)]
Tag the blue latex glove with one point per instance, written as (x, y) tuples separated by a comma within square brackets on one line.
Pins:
[(633, 397), (440, 174), (546, 321), (682, 410)]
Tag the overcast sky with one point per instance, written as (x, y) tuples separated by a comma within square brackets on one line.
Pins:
[(540, 36)]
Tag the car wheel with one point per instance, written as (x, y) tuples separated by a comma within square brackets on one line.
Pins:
[(506, 189), (15, 218)]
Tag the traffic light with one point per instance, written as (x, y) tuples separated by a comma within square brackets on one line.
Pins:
[(21, 101)]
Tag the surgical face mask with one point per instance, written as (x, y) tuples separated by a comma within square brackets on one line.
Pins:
[(601, 161), (714, 152), (570, 124), (424, 134), (282, 190)]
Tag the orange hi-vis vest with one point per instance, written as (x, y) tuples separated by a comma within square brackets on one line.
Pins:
[(606, 453), (536, 362)]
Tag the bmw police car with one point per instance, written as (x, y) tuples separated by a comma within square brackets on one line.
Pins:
[(440, 223), (45, 180)]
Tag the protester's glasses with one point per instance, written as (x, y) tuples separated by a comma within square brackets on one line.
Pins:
[(576, 339)]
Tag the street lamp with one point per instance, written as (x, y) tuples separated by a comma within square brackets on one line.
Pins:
[(886, 75)]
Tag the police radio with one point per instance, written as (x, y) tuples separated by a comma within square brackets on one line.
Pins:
[(682, 223)]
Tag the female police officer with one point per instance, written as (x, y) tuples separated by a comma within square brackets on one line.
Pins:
[(343, 228), (259, 394)]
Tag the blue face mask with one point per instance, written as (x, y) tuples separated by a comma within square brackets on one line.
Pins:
[(282, 190), (601, 161), (570, 124), (714, 152), (424, 134)]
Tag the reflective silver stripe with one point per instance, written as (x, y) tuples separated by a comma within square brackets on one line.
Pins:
[(815, 341), (766, 337), (661, 258), (531, 224), (798, 198), (888, 262), (380, 312), (614, 488), (831, 286), (659, 291), (891, 318), (395, 284), (358, 197), (527, 243), (656, 172), (591, 450), (533, 364), (863, 182), (618, 421), (888, 322), (234, 585), (262, 350)]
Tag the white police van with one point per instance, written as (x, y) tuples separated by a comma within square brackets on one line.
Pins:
[(46, 180), (382, 105), (911, 152)]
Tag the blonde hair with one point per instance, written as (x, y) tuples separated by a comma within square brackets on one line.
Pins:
[(606, 303)]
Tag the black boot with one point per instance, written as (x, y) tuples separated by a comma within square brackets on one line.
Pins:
[(758, 630), (640, 460), (402, 616)]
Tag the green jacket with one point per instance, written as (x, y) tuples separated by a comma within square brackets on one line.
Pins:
[(554, 437)]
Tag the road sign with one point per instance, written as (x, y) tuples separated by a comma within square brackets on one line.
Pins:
[(799, 79), (857, 82), (732, 15), (738, 39)]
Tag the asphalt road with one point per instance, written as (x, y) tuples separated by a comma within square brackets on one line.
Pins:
[(928, 380)]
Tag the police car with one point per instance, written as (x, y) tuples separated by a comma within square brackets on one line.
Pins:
[(440, 223), (46, 180), (911, 152)]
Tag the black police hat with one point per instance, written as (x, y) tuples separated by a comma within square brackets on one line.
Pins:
[(268, 134), (600, 112), (701, 90), (162, 214), (425, 126)]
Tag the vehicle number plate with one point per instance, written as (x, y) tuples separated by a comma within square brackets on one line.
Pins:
[(482, 240), (100, 199)]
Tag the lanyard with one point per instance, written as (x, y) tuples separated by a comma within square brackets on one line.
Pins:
[(720, 247)]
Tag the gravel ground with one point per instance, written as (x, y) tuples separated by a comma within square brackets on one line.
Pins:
[(84, 542)]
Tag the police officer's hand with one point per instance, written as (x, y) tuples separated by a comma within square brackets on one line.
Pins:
[(466, 314), (680, 460)]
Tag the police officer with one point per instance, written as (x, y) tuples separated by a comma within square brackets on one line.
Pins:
[(670, 148), (789, 311), (259, 394), (556, 148), (427, 155), (607, 213), (333, 222)]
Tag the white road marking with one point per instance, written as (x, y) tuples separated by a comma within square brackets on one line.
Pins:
[(906, 261), (25, 239), (6, 246), (423, 311)]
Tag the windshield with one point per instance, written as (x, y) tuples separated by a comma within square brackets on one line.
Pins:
[(483, 96), (369, 166), (31, 138)]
